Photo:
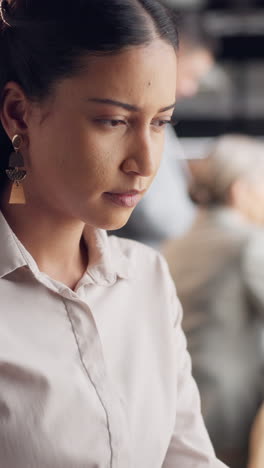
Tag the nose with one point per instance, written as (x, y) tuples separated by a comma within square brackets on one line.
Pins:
[(143, 156)]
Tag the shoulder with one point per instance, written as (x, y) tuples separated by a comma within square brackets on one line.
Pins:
[(138, 255), (148, 273)]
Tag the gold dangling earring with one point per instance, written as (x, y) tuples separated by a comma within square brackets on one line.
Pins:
[(16, 173)]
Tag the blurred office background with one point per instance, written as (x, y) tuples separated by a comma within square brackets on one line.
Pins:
[(231, 98)]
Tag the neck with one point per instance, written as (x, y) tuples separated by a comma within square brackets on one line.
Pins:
[(55, 242)]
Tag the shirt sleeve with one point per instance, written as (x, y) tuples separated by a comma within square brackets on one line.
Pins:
[(190, 445)]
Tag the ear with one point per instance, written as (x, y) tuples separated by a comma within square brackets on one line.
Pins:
[(15, 106)]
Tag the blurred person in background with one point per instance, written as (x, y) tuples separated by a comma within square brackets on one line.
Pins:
[(221, 288), (167, 210)]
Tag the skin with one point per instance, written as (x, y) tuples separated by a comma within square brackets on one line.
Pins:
[(77, 149)]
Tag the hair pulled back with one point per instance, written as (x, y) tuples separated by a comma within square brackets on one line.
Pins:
[(42, 42)]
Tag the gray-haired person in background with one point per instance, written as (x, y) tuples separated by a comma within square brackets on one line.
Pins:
[(167, 211), (218, 268)]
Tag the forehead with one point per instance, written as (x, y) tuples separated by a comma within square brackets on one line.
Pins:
[(142, 76)]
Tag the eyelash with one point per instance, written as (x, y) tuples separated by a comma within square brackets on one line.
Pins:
[(113, 123), (163, 123)]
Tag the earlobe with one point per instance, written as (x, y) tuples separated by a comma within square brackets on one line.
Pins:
[(14, 110)]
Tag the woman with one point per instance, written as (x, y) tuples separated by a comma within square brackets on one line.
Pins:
[(93, 366), (218, 269)]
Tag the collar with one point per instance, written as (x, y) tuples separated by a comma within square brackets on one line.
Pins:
[(107, 260), (11, 256)]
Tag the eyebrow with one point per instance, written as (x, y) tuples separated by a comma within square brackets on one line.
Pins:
[(126, 106)]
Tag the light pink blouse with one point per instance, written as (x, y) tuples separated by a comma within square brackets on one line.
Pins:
[(98, 377)]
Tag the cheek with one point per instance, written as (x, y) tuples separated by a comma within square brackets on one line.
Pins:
[(88, 169)]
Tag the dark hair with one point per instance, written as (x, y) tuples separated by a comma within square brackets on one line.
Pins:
[(42, 41)]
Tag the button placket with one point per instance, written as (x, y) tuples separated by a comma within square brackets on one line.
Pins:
[(91, 355)]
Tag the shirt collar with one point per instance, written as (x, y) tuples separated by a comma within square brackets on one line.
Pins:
[(107, 262), (11, 256)]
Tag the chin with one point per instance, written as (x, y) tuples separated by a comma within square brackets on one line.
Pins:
[(114, 223), (113, 226)]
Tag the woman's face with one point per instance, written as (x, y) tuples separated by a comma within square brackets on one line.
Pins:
[(95, 146)]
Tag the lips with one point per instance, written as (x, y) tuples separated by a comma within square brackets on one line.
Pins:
[(125, 200)]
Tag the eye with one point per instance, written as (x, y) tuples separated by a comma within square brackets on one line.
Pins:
[(160, 123), (111, 123)]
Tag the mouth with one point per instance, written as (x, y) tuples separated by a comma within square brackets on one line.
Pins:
[(126, 199)]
